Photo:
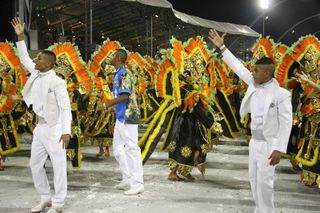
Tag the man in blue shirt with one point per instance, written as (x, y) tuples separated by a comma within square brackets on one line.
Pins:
[(125, 137)]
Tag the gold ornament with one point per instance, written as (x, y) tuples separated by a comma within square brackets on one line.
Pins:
[(172, 146), (186, 151), (204, 148)]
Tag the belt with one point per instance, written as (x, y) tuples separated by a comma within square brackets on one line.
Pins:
[(257, 135)]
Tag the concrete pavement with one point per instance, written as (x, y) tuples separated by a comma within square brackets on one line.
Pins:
[(224, 188)]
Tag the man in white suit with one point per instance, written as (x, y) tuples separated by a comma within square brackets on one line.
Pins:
[(271, 122), (50, 101)]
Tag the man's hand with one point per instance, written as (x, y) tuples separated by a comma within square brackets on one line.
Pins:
[(103, 106), (303, 76), (275, 157), (18, 27), (65, 138), (216, 39)]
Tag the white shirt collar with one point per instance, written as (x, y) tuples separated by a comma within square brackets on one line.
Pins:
[(45, 73), (264, 84)]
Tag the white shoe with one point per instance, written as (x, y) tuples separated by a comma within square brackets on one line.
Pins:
[(40, 207), (135, 190), (55, 210), (122, 185)]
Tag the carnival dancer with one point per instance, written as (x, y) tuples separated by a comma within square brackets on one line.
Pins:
[(308, 154), (188, 147)]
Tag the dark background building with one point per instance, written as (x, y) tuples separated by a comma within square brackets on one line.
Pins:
[(147, 29)]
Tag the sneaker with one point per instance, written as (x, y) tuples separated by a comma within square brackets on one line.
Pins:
[(55, 210), (135, 190), (40, 207), (124, 184)]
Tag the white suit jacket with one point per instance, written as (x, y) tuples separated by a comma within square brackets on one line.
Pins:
[(56, 107), (277, 115)]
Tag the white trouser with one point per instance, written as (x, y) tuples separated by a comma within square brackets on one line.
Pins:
[(46, 142), (127, 152), (261, 175)]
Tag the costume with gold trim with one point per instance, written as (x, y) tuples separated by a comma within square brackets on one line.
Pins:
[(304, 56), (185, 116), (71, 67), (12, 79), (144, 73), (98, 126)]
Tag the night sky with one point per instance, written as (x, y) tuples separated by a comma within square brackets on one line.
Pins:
[(282, 15), (6, 13)]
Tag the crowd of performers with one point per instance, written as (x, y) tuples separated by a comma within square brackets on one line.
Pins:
[(188, 99)]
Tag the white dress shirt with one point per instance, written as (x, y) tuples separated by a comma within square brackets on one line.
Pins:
[(257, 105)]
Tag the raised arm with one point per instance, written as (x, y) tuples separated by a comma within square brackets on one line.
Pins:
[(25, 59), (229, 58)]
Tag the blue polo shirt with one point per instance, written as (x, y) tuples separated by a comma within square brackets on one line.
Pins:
[(121, 85)]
